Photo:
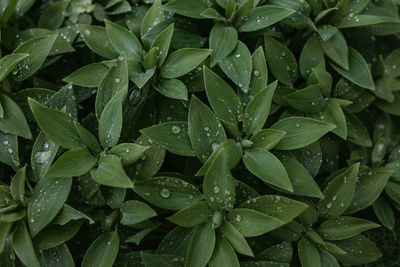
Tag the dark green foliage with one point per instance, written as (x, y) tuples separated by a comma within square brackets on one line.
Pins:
[(193, 133)]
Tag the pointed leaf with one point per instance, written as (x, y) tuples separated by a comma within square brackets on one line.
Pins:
[(237, 66), (72, 163), (339, 193), (300, 132), (267, 167), (110, 172), (168, 192), (103, 251)]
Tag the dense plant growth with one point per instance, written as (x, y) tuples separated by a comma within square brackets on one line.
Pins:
[(199, 133)]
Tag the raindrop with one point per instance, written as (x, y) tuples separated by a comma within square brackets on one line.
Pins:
[(238, 218), (175, 129), (165, 193), (216, 189)]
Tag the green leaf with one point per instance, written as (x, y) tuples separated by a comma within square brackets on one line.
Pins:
[(223, 254), (172, 88), (88, 139), (96, 39), (281, 61), (356, 131), (38, 49), (173, 136), (17, 185), (192, 215), (392, 64), (43, 152), (110, 122), (264, 16), (201, 246), (311, 55), (72, 163), (339, 193), (327, 259), (46, 201), (188, 8), (168, 192), (235, 238), (103, 251), (88, 76), (182, 61), (384, 212), (282, 252), (392, 189), (8, 63), (237, 66), (300, 132), (223, 99), (267, 167), (123, 40), (253, 223), (368, 189), (301, 180), (204, 129), (334, 114), (53, 16), (68, 214), (336, 49), (13, 120), (344, 227), (308, 253), (377, 25), (358, 72), (267, 138), (56, 235), (22, 244), (162, 44), (153, 16), (218, 185), (110, 172), (134, 211), (57, 254), (259, 77), (137, 75), (308, 100), (116, 80), (285, 209), (233, 152), (152, 158), (128, 153), (223, 40), (360, 250), (56, 125), (154, 260), (257, 110), (4, 231)]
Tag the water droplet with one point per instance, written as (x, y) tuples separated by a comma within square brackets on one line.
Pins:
[(216, 190), (175, 129), (5, 142), (117, 80), (329, 205), (165, 193), (256, 73), (238, 218)]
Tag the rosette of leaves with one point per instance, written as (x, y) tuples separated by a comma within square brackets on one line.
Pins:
[(327, 233), (148, 59), (213, 230), (204, 134)]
